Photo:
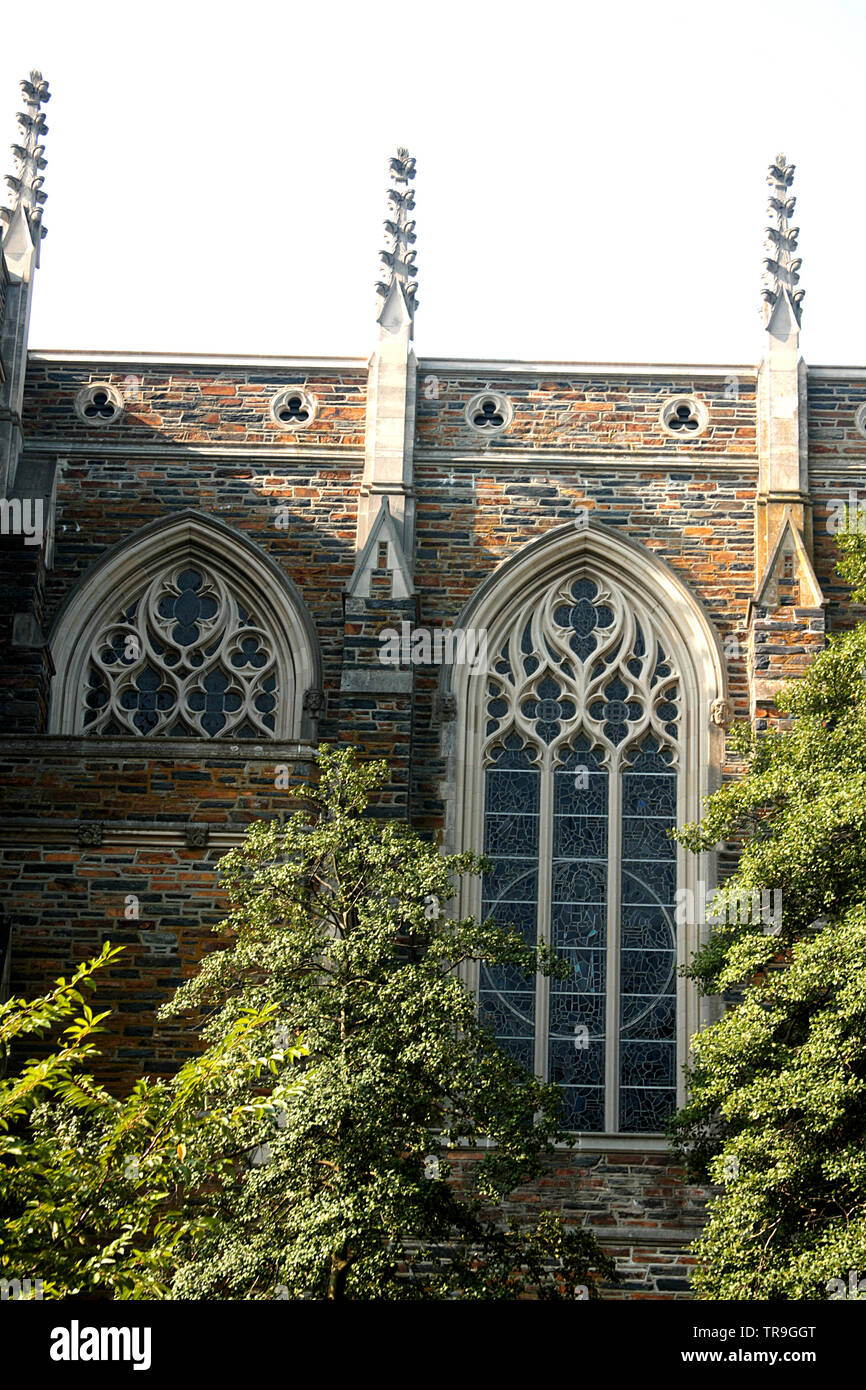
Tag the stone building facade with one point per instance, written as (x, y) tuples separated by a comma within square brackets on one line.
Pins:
[(541, 590)]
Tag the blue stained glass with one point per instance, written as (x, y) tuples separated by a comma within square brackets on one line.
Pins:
[(96, 697), (508, 790), (650, 1064), (647, 984), (583, 1108), (188, 608), (645, 838), (578, 924), (650, 758), (647, 927), (505, 977), (648, 1017), (572, 1065), (511, 755), (617, 709), (509, 881), (570, 1012), (645, 1111), (502, 665), (507, 1013), (148, 697), (251, 653), (510, 834), (652, 794), (587, 969), (115, 650), (650, 885), (579, 792), (583, 837), (648, 943), (579, 882), (579, 929), (521, 1049), (647, 972), (506, 999)]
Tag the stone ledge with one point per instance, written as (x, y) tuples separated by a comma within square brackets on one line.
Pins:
[(42, 747)]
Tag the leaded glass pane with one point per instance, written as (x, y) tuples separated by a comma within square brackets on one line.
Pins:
[(576, 1043), (510, 893), (648, 943)]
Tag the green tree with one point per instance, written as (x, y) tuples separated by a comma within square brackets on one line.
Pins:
[(338, 923), (96, 1192), (777, 1109)]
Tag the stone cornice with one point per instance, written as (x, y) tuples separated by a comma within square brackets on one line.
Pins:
[(552, 458), (66, 445), (107, 834)]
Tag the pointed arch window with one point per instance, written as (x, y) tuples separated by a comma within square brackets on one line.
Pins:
[(184, 657), (185, 632), (581, 756)]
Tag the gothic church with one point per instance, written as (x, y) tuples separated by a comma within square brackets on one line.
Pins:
[(541, 590)]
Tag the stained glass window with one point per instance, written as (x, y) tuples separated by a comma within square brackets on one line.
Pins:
[(581, 786), (185, 658)]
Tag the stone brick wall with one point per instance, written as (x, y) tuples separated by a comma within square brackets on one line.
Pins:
[(195, 405), (577, 412), (212, 783), (837, 477), (67, 901), (636, 1205)]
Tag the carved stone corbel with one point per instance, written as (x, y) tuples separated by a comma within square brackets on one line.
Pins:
[(721, 713)]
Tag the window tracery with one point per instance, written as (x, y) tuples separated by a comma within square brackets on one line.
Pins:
[(581, 756), (185, 657)]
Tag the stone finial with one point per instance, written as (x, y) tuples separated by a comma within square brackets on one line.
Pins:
[(26, 182), (781, 266), (398, 260)]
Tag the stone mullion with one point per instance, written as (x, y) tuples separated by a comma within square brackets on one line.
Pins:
[(612, 956), (545, 898)]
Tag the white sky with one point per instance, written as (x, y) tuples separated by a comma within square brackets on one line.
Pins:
[(590, 178)]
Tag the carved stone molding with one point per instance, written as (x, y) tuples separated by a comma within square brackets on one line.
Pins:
[(196, 836)]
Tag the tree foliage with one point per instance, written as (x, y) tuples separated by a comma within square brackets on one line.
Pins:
[(777, 1112), (338, 924), (97, 1192)]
